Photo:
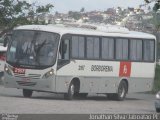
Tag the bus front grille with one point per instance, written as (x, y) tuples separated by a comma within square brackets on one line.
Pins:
[(31, 76), (23, 83)]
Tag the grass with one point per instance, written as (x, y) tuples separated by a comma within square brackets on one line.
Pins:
[(156, 86)]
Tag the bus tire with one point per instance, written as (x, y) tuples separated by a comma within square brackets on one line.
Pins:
[(110, 96), (122, 91), (81, 95), (71, 91), (27, 93)]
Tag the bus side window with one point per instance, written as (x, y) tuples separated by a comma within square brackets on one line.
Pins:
[(64, 50), (63, 57)]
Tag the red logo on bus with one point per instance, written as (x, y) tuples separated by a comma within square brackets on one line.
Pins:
[(125, 69), (19, 70)]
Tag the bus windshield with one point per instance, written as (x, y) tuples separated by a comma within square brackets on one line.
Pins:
[(33, 49)]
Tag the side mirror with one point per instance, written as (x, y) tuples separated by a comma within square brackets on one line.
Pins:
[(6, 40), (64, 48)]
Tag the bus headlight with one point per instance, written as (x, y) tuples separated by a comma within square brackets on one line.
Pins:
[(158, 95), (7, 70), (48, 74)]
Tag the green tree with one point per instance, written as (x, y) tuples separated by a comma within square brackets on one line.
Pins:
[(156, 21), (75, 15), (156, 14), (156, 5), (82, 10), (15, 12)]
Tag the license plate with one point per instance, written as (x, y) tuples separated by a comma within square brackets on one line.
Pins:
[(25, 79), (19, 70)]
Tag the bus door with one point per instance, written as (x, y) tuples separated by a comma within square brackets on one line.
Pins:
[(62, 65)]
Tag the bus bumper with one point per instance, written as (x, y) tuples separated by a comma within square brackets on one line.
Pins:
[(46, 85), (157, 104)]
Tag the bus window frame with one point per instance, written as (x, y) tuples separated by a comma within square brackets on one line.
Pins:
[(114, 38), (62, 62), (34, 67)]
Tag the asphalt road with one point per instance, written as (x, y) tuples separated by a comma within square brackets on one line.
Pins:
[(12, 101)]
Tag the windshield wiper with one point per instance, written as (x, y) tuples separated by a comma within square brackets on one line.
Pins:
[(37, 51)]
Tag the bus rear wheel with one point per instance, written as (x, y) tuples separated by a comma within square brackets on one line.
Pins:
[(81, 95), (27, 93), (71, 91), (111, 96), (122, 91)]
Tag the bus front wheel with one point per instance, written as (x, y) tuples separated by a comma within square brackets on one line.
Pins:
[(27, 93), (71, 91)]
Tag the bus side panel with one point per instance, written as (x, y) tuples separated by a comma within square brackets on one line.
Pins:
[(105, 76), (99, 85), (88, 84), (142, 77), (143, 70), (62, 83), (94, 76), (140, 84)]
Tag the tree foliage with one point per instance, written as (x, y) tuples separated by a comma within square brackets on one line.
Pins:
[(156, 21), (156, 5), (75, 15), (16, 12), (156, 13), (82, 10)]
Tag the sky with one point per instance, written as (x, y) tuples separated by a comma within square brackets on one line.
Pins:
[(75, 5)]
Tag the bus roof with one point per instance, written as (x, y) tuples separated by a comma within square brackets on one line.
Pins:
[(110, 31)]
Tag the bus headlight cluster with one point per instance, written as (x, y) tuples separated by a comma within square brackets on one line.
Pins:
[(158, 95), (48, 74), (7, 70)]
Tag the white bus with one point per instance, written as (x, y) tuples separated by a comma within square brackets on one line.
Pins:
[(77, 60)]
